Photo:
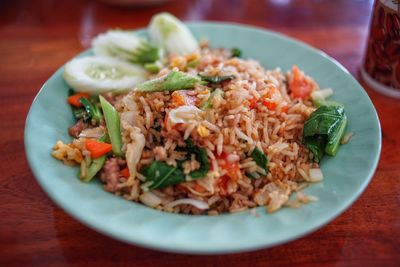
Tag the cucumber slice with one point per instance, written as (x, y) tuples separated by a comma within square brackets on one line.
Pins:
[(126, 46), (101, 74), (170, 33)]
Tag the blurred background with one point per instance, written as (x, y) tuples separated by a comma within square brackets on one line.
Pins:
[(69, 26)]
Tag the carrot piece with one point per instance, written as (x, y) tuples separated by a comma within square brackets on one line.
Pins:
[(270, 104), (96, 148), (178, 99), (253, 103), (199, 188), (231, 167), (285, 108), (124, 172), (74, 99), (181, 98)]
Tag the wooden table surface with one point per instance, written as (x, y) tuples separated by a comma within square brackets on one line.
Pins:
[(37, 37)]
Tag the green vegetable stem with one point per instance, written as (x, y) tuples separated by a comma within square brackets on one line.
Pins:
[(95, 166), (113, 126)]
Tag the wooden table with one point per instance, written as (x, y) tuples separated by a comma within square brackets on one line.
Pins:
[(37, 37)]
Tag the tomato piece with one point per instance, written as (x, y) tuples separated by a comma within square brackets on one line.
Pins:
[(222, 184), (199, 188), (124, 172), (300, 85), (230, 167), (253, 103), (271, 98), (271, 105)]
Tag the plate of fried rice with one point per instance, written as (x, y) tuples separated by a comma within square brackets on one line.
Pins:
[(202, 137)]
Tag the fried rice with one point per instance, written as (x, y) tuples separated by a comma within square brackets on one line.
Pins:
[(256, 110)]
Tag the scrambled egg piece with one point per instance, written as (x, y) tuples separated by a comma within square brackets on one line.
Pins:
[(68, 153)]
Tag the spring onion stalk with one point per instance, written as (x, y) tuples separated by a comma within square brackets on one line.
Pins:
[(113, 126), (170, 33), (126, 46)]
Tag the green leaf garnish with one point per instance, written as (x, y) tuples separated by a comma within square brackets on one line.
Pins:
[(173, 81), (324, 129)]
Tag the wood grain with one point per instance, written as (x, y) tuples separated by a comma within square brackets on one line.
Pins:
[(37, 37)]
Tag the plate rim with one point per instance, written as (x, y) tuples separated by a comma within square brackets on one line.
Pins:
[(213, 250)]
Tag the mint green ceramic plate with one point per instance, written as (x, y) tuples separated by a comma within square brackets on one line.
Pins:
[(346, 175)]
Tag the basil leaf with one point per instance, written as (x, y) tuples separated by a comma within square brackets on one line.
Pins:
[(216, 79), (260, 159), (173, 81), (201, 156), (324, 129), (162, 175)]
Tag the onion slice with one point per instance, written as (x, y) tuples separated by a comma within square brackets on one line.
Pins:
[(190, 201), (150, 199), (316, 175), (346, 138)]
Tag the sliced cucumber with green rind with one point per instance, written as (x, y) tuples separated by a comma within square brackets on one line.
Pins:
[(101, 74), (127, 46)]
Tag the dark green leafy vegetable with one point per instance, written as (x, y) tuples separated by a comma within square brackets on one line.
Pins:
[(80, 113), (173, 81), (91, 109), (236, 52), (216, 79), (111, 117), (324, 129), (201, 157), (260, 159), (162, 175)]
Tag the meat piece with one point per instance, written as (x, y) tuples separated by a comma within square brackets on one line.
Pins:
[(77, 128), (110, 175)]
